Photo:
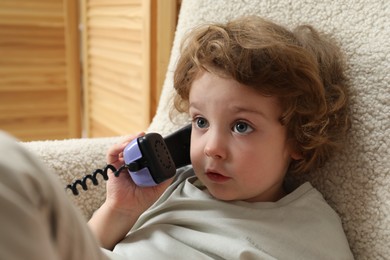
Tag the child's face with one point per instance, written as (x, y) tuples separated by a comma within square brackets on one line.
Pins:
[(239, 149)]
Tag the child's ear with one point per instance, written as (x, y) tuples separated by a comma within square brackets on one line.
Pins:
[(296, 155)]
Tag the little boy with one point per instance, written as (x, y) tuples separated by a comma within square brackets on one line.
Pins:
[(264, 102)]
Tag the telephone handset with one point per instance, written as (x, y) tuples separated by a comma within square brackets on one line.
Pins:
[(152, 159), (149, 159)]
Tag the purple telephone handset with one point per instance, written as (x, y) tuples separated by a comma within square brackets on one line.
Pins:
[(152, 159)]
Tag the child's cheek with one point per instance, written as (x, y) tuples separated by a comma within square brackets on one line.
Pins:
[(196, 152)]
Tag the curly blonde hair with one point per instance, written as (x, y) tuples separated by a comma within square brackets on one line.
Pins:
[(302, 67)]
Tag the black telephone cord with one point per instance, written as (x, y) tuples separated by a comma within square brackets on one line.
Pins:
[(93, 177)]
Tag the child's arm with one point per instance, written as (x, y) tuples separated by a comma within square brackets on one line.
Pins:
[(125, 202), (110, 225)]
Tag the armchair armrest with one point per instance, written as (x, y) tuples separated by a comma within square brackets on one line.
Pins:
[(71, 159)]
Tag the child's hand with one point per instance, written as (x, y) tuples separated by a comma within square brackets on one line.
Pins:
[(125, 201), (122, 193)]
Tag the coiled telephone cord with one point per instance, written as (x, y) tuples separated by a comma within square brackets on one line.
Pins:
[(93, 177)]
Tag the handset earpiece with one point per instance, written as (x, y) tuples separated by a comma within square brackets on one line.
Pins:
[(152, 159)]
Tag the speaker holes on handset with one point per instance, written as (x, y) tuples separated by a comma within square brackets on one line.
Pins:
[(163, 154)]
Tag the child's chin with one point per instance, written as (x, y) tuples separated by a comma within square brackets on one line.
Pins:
[(223, 197)]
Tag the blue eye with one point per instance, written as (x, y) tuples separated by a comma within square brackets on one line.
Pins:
[(242, 128), (201, 122)]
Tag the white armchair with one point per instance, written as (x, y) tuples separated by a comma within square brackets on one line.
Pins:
[(356, 182)]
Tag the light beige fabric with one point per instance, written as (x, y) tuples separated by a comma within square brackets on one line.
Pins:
[(37, 220), (188, 221)]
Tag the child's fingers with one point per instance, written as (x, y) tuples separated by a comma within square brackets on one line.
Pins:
[(132, 137), (115, 152)]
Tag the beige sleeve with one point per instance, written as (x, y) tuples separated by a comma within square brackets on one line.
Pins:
[(37, 219)]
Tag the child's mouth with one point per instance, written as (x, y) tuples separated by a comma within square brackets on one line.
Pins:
[(216, 177)]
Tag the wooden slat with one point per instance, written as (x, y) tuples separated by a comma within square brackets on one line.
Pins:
[(109, 11), (131, 57), (164, 20), (114, 66), (31, 36), (27, 103), (32, 5), (119, 85), (113, 100), (94, 3), (118, 33), (14, 19), (33, 55), (26, 83), (115, 22), (41, 128), (123, 45), (73, 68)]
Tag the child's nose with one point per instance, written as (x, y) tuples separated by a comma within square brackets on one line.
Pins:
[(215, 145)]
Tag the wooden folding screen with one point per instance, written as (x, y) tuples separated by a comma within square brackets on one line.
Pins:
[(39, 69), (125, 50)]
